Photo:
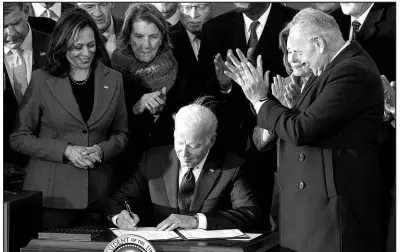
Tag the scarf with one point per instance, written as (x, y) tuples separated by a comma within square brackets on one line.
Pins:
[(154, 75)]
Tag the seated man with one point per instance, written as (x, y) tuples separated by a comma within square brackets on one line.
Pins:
[(190, 185)]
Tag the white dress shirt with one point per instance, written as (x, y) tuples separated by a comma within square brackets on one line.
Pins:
[(361, 20), (196, 173), (260, 27), (174, 18), (27, 54), (111, 38), (38, 9), (194, 42)]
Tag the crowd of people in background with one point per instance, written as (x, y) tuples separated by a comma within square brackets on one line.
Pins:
[(261, 118)]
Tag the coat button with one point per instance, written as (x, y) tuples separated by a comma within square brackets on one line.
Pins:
[(302, 157), (84, 131), (302, 185)]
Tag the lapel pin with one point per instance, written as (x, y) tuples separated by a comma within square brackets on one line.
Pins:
[(42, 53), (106, 87), (211, 170)]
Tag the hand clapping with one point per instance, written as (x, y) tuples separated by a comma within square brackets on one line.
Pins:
[(84, 157)]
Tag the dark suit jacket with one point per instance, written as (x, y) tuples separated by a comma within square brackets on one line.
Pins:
[(183, 53), (49, 119), (227, 32), (40, 42), (377, 35), (64, 7), (221, 193), (328, 157), (42, 24), (118, 23)]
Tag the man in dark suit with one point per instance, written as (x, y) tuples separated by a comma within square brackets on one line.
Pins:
[(32, 46), (49, 10), (186, 40), (328, 151), (169, 11), (230, 31), (108, 25), (189, 185), (377, 36)]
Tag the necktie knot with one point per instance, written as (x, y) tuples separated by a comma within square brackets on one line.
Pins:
[(254, 25), (356, 28)]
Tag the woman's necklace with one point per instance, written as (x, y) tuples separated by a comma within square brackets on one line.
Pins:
[(80, 83)]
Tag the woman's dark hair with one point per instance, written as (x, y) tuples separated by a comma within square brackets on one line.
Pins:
[(283, 37), (63, 37), (143, 12)]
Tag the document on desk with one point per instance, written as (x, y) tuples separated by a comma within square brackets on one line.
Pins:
[(201, 234), (148, 233)]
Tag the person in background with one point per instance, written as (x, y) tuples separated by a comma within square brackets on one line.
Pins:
[(24, 51), (328, 149), (325, 7), (186, 39), (373, 25), (72, 123), (192, 184), (108, 25), (254, 25), (49, 9), (169, 11), (155, 87)]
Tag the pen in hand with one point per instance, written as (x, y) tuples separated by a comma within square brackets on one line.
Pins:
[(130, 212)]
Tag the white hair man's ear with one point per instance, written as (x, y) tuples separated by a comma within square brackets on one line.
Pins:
[(320, 43)]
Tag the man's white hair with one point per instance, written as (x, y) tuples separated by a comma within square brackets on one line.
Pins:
[(197, 114), (312, 22)]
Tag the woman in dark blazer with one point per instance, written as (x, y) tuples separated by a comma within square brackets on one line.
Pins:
[(72, 123), (155, 86)]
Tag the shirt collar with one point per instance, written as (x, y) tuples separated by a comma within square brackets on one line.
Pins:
[(174, 18), (110, 30), (26, 44), (362, 18), (38, 9), (341, 49), (262, 19)]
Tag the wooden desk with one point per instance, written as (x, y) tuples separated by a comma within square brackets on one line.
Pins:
[(263, 243)]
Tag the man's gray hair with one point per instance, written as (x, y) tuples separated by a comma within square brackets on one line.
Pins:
[(198, 114), (312, 22)]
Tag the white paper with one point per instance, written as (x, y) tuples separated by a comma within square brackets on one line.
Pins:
[(250, 235), (200, 234), (148, 233)]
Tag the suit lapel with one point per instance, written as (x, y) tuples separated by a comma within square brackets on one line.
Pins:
[(104, 90), (235, 34), (185, 44), (206, 181), (62, 91), (39, 47), (369, 27), (307, 88), (171, 178)]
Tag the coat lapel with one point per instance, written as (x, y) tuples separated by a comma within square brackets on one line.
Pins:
[(369, 27), (208, 178), (104, 90), (235, 34), (171, 178), (62, 91)]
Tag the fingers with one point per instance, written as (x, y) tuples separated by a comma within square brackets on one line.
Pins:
[(233, 59), (126, 221), (288, 101), (259, 65), (393, 84), (242, 58), (169, 223), (274, 88), (250, 53), (266, 79)]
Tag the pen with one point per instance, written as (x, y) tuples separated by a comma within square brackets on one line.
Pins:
[(128, 208)]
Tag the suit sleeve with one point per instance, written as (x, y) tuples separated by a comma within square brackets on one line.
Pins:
[(133, 191), (24, 137), (347, 93), (245, 212), (119, 127)]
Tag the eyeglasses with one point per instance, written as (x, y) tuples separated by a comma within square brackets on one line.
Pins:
[(199, 8)]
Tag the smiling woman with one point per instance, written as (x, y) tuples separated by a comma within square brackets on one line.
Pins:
[(72, 119), (154, 85)]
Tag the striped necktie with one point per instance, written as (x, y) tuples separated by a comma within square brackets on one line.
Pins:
[(19, 75), (356, 28), (253, 40), (186, 190)]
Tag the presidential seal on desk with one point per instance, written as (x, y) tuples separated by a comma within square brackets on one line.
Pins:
[(129, 243)]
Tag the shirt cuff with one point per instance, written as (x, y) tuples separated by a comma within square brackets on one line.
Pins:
[(258, 105), (114, 219), (202, 221)]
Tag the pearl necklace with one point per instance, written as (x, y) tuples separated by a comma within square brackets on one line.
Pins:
[(80, 83)]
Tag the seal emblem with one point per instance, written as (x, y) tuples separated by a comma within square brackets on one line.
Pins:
[(129, 243)]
